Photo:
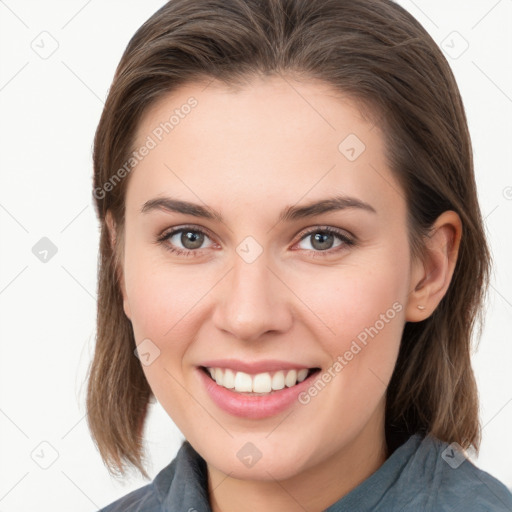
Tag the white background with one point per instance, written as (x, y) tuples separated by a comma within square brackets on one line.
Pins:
[(49, 111)]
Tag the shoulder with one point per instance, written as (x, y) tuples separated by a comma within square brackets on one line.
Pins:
[(448, 481), (469, 486), (148, 498), (182, 482)]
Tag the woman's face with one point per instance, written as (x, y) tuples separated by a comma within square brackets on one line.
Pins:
[(258, 287)]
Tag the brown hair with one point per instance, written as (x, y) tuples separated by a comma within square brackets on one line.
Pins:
[(374, 52)]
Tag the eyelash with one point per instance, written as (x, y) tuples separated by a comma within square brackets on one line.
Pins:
[(164, 238)]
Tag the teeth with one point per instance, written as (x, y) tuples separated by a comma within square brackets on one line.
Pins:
[(291, 378), (243, 381), (229, 379), (302, 374), (261, 383), (278, 381)]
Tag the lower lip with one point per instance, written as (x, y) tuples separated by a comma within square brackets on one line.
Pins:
[(253, 406)]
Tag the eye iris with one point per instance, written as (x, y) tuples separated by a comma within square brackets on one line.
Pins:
[(192, 239), (324, 241)]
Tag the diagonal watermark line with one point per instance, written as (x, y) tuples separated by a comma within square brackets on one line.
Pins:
[(388, 182), (14, 218), (500, 295), (291, 412), (14, 423), (383, 383), (198, 300), (73, 427), (94, 406), (14, 485), (325, 325), (76, 14), (85, 494), (485, 15), (102, 102), (14, 76), (506, 403), (208, 85), (291, 496), (284, 78), (492, 211), (377, 119), (74, 218), (424, 14), (78, 282), (13, 13), (13, 279), (492, 81), (199, 403), (226, 476)]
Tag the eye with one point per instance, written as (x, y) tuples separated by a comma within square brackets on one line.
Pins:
[(322, 239), (188, 240), (184, 241)]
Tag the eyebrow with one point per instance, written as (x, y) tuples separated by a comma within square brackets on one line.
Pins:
[(289, 213)]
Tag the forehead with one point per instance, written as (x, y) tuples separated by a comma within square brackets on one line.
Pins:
[(273, 140)]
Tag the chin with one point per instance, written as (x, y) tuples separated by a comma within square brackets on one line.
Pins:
[(244, 459)]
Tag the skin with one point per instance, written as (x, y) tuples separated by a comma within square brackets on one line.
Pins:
[(249, 153)]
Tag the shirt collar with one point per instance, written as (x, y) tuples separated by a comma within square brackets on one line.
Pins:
[(188, 477), (188, 490)]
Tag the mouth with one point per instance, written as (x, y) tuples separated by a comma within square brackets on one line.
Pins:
[(259, 384)]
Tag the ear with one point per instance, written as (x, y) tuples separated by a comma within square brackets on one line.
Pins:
[(431, 277), (114, 240)]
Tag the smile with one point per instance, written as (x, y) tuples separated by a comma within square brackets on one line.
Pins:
[(260, 383), (255, 395)]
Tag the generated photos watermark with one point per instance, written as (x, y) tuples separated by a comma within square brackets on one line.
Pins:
[(356, 346), (151, 142)]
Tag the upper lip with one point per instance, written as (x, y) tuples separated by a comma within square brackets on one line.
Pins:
[(254, 367)]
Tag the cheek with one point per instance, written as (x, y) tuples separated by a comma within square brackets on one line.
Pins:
[(160, 295), (162, 311), (167, 308), (362, 312), (349, 302)]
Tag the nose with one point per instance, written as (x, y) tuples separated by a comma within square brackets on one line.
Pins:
[(252, 301)]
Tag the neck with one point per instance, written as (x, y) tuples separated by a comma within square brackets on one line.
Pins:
[(313, 489)]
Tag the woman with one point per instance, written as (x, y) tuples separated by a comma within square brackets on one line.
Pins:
[(292, 262)]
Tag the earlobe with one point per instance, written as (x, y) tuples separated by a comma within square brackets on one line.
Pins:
[(431, 277), (112, 233)]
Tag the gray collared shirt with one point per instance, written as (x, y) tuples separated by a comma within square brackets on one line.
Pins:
[(423, 475)]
